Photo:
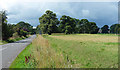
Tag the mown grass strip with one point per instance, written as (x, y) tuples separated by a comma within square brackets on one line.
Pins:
[(19, 62)]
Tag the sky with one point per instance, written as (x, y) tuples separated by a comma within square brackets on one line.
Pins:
[(101, 12)]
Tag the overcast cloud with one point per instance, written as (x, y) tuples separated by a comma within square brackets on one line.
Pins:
[(29, 11)]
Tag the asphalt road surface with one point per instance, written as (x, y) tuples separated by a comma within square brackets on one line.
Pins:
[(11, 50)]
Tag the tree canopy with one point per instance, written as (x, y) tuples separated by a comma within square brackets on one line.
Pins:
[(84, 26), (48, 22), (6, 31), (115, 28), (67, 24), (105, 29), (23, 28), (9, 30)]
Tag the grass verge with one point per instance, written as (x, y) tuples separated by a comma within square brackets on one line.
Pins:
[(19, 62), (70, 51), (41, 56), (2, 42), (11, 40)]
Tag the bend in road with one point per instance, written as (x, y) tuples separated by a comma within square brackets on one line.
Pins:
[(11, 50)]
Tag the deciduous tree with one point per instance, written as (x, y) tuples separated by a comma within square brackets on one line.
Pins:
[(115, 28), (105, 29), (48, 22), (67, 24)]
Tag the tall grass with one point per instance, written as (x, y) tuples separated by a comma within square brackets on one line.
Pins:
[(69, 51), (40, 54), (45, 56), (87, 50)]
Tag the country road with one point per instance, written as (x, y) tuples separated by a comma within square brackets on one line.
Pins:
[(11, 50)]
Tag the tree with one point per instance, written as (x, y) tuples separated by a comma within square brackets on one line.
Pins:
[(23, 28), (83, 24), (48, 22), (92, 28), (105, 29), (11, 30), (67, 24), (6, 32), (115, 28), (23, 33), (0, 26), (77, 25), (112, 28), (118, 30)]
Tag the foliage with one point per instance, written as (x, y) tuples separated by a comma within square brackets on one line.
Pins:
[(9, 30), (23, 29), (92, 28), (6, 28), (48, 22), (115, 28), (2, 42), (42, 56), (14, 40), (15, 35), (23, 33), (84, 26), (67, 24), (105, 29)]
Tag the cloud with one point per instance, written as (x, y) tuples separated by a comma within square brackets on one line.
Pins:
[(85, 13), (30, 10), (11, 1)]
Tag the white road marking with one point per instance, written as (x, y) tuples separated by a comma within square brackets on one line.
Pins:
[(3, 49)]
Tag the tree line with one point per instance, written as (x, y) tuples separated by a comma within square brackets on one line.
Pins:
[(49, 23), (21, 29)]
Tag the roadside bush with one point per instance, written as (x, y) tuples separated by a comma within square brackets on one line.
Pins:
[(11, 40), (15, 35), (23, 37)]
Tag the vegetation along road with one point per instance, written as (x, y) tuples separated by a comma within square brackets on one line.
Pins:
[(11, 50), (70, 51)]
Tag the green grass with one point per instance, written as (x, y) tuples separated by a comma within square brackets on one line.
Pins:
[(87, 54), (42, 56), (2, 42), (109, 34), (12, 40), (79, 50), (19, 62)]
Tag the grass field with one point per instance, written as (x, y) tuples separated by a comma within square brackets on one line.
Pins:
[(70, 51), (88, 50)]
